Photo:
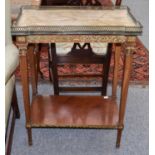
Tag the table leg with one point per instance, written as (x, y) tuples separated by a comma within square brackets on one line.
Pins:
[(116, 69), (33, 67), (124, 91), (21, 42)]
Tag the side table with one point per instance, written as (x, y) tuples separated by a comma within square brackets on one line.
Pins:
[(98, 24)]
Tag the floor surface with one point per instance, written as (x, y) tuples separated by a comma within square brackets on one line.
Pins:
[(88, 141)]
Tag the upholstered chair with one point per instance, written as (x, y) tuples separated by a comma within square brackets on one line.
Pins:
[(11, 63)]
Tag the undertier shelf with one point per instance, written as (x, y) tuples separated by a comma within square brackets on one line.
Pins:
[(74, 111)]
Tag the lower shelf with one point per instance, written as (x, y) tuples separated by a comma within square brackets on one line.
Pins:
[(74, 111)]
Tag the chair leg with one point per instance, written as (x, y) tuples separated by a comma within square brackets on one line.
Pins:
[(15, 104), (53, 67), (16, 114), (10, 138), (106, 67), (119, 135)]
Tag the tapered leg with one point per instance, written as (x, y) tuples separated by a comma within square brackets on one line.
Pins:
[(29, 132), (124, 91), (22, 44), (119, 135), (33, 68), (116, 69)]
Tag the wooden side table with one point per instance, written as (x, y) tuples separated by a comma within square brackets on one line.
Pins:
[(98, 24)]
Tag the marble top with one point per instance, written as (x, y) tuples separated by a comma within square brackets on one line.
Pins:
[(75, 20)]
